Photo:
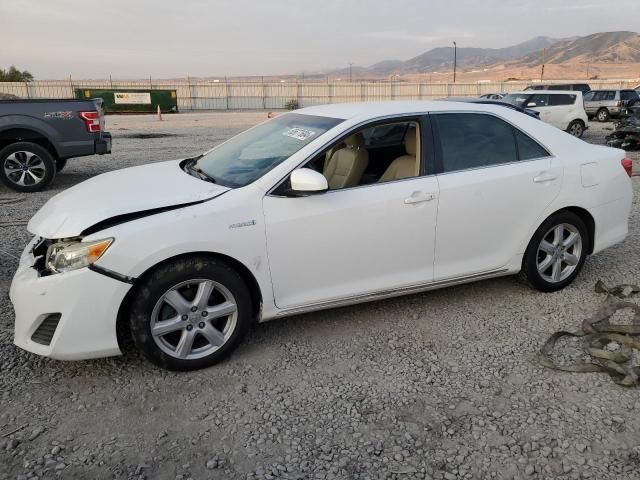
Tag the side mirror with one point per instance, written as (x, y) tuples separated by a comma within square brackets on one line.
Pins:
[(531, 104), (305, 181)]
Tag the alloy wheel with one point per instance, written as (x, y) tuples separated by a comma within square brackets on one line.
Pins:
[(194, 319), (559, 253), (576, 129), (24, 168)]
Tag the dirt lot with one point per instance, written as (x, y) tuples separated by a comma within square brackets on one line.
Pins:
[(443, 384)]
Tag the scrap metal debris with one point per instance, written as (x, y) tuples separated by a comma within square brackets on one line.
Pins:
[(621, 291), (613, 348)]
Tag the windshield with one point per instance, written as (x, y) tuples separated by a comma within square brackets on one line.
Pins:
[(248, 156), (516, 99)]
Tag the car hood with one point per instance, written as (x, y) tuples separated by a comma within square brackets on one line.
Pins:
[(134, 190)]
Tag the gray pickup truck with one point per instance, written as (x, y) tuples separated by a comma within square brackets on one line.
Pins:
[(38, 136)]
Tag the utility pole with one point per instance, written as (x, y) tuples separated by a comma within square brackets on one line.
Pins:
[(350, 72), (455, 60), (544, 51)]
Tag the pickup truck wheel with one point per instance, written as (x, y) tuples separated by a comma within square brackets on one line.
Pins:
[(60, 164), (190, 313), (26, 167), (603, 115)]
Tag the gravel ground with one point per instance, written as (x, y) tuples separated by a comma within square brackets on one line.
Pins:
[(437, 385)]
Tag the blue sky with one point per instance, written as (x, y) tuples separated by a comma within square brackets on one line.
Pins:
[(138, 38)]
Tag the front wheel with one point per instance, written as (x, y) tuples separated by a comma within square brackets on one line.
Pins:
[(26, 167), (556, 253), (190, 313)]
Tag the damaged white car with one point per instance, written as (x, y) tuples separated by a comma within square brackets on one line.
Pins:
[(327, 206)]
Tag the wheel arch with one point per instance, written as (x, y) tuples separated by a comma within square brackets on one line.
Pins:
[(122, 324), (22, 134), (584, 215)]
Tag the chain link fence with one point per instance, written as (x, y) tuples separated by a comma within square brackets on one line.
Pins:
[(223, 95)]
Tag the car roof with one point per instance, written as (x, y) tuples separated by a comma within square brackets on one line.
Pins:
[(347, 111), (547, 92)]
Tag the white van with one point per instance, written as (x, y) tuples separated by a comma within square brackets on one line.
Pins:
[(562, 109)]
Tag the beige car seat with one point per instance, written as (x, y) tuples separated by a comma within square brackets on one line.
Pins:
[(406, 166), (345, 166)]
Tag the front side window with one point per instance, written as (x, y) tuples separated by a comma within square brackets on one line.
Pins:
[(250, 155), (372, 155), (517, 99), (470, 140), (539, 100)]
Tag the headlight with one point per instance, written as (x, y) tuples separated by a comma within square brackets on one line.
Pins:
[(65, 256)]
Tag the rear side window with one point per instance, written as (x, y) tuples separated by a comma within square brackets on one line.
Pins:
[(628, 95), (469, 140), (561, 99), (604, 95), (528, 148), (560, 87)]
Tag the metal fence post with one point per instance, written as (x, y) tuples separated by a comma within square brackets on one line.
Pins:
[(264, 100), (226, 94), (190, 91)]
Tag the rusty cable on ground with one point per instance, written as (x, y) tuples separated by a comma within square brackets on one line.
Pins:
[(610, 346)]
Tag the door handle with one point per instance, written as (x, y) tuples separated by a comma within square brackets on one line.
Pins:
[(544, 178), (419, 197)]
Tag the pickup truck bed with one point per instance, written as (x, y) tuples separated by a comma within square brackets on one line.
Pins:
[(38, 136)]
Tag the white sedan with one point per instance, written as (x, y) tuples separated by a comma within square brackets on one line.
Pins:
[(327, 206)]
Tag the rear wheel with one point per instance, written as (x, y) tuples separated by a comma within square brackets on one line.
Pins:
[(556, 253), (190, 313), (603, 115), (26, 167), (576, 128)]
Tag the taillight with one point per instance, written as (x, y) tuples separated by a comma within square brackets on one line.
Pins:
[(91, 121), (627, 164)]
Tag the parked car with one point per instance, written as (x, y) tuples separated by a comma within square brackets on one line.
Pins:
[(582, 87), (604, 104), (328, 206), (481, 100), (564, 110), (37, 137), (492, 96)]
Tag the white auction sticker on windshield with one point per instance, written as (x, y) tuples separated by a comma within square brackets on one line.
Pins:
[(298, 133)]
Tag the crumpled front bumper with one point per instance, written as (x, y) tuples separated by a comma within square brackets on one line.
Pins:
[(86, 301)]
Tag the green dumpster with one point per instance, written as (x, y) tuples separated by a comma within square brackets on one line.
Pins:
[(122, 100)]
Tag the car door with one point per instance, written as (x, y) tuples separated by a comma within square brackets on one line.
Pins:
[(495, 181), (353, 241)]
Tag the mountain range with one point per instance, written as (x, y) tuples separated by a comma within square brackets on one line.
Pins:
[(607, 47)]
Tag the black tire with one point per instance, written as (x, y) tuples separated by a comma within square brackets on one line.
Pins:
[(576, 128), (530, 273), (38, 161), (60, 164), (151, 291), (603, 115)]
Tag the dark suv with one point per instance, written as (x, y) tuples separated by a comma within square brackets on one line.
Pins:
[(583, 87)]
